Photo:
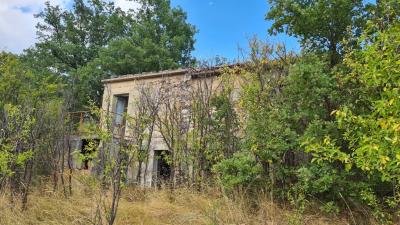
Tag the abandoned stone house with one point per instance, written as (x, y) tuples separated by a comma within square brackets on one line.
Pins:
[(124, 94)]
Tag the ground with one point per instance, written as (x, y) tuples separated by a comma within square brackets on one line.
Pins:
[(151, 207)]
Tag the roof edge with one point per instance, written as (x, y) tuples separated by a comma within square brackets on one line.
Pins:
[(165, 73)]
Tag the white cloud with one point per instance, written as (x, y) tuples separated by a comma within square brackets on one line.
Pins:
[(17, 23)]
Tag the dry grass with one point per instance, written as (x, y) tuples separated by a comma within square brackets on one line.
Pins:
[(153, 207)]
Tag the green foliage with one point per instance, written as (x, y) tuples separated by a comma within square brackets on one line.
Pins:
[(321, 25), (222, 136), (291, 113), (302, 147), (69, 39), (377, 148), (373, 135), (267, 136), (31, 123), (368, 142), (19, 84), (14, 140), (241, 171), (282, 111), (284, 101), (158, 38), (95, 40), (330, 207)]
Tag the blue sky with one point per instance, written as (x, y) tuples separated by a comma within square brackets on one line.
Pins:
[(224, 25)]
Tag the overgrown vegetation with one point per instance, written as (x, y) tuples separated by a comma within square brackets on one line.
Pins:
[(180, 206), (318, 129)]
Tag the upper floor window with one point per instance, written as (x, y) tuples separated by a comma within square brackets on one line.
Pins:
[(121, 108)]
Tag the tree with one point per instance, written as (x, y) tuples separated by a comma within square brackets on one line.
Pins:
[(321, 25), (368, 124), (160, 39), (26, 101), (96, 40), (69, 39), (387, 12)]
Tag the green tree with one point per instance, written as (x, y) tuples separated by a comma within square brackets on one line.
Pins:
[(95, 40), (20, 85), (69, 39), (387, 12), (159, 39), (321, 25), (368, 144), (25, 100)]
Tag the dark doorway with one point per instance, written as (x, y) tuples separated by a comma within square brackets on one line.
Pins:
[(161, 166), (87, 149)]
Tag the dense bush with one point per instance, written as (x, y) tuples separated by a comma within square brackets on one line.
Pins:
[(316, 131)]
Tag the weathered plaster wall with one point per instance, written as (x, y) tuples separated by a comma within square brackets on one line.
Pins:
[(177, 87)]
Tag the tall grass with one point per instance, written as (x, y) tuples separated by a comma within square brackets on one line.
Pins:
[(151, 207)]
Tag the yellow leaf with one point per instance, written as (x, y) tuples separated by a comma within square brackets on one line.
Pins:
[(384, 159), (396, 127), (348, 166)]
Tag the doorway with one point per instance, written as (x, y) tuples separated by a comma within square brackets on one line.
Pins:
[(162, 167)]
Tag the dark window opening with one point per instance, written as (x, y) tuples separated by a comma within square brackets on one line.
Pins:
[(162, 167), (87, 149)]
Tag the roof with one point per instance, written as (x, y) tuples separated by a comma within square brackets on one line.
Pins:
[(139, 76), (194, 72)]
